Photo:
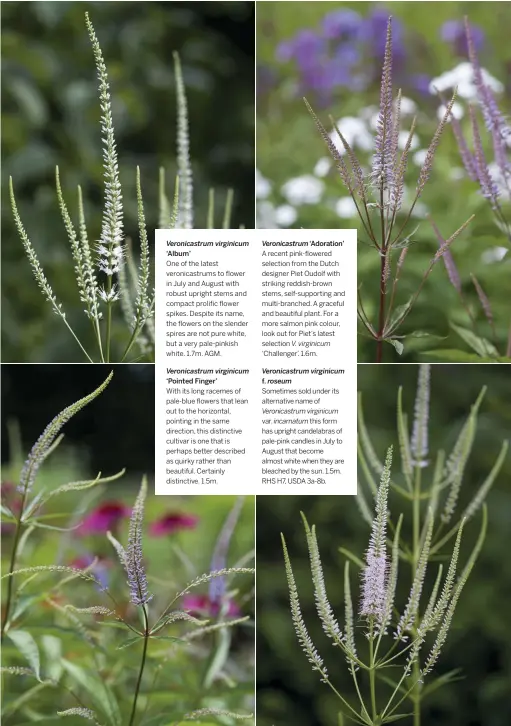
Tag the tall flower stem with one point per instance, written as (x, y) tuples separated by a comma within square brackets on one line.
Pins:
[(415, 560), (381, 314), (372, 675), (12, 563), (142, 665), (108, 324)]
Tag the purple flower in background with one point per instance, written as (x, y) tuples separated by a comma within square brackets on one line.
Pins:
[(305, 46), (453, 32), (342, 25), (346, 51), (100, 569), (203, 605), (421, 83), (106, 517), (172, 522), (374, 34)]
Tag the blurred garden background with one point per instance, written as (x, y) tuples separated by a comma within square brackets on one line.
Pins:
[(479, 641), (50, 116), (115, 431), (332, 54)]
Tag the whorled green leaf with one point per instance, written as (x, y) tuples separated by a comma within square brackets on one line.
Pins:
[(481, 346)]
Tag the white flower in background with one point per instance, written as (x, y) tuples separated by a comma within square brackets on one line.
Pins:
[(265, 215), (355, 132), (263, 186), (270, 217), (457, 111), (420, 210), (462, 78), (323, 166), (494, 254), (408, 107), (420, 157), (368, 113), (457, 173), (498, 177), (345, 208), (285, 215), (403, 138), (306, 189)]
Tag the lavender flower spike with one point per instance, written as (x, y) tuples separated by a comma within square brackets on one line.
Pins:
[(383, 160), (374, 576), (493, 119), (132, 561)]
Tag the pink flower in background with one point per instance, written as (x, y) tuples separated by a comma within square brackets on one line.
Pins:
[(202, 605), (172, 522), (104, 518)]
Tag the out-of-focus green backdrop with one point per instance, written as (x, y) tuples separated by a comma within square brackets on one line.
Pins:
[(50, 116), (479, 640), (289, 146)]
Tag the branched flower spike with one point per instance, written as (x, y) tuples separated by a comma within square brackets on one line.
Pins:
[(378, 198)]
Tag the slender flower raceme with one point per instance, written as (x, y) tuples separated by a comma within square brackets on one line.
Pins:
[(110, 248), (419, 441), (183, 151), (374, 576), (217, 586), (383, 160), (132, 557), (43, 445)]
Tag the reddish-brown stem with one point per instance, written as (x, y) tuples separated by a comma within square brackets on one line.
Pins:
[(12, 564), (381, 314)]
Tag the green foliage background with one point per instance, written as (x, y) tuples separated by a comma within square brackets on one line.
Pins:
[(50, 116), (479, 642), (288, 145), (171, 561)]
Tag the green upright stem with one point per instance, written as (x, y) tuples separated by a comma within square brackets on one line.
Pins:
[(381, 312), (142, 665), (10, 583), (415, 560), (108, 330), (372, 677)]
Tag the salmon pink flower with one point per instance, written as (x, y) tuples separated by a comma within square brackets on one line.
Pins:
[(203, 605)]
